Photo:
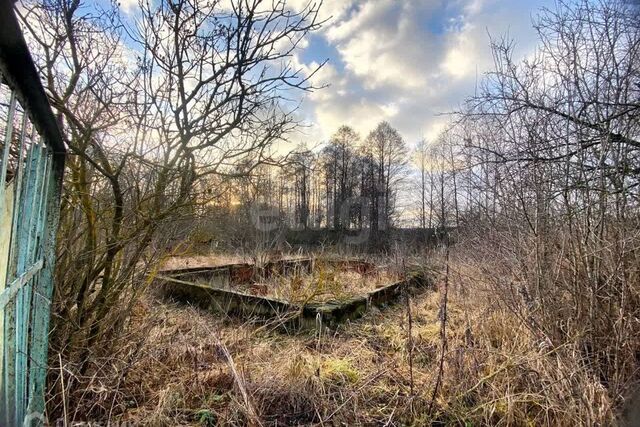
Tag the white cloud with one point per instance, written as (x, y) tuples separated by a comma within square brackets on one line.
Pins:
[(128, 6), (334, 10), (434, 127), (408, 61), (380, 43), (464, 54)]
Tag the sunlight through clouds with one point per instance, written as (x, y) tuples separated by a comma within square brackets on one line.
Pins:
[(406, 61)]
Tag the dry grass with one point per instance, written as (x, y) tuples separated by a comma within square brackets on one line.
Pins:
[(189, 259), (194, 261), (325, 283), (196, 368)]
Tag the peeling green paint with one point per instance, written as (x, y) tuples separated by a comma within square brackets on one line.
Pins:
[(32, 155)]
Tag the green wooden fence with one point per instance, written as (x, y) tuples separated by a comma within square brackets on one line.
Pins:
[(31, 168)]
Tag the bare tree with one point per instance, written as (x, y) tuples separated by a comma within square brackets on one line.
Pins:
[(201, 89), (555, 151), (339, 158), (425, 187), (388, 152)]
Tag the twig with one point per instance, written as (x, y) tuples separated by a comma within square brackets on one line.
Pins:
[(410, 342), (443, 330), (369, 381), (64, 399), (388, 423), (251, 412)]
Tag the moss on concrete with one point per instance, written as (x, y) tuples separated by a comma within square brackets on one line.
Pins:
[(328, 314)]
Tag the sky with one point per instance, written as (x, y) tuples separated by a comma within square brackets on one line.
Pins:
[(405, 61), (409, 62)]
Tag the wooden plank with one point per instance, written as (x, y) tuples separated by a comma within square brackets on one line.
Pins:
[(16, 329), (34, 249), (9, 331), (8, 294), (34, 330), (43, 292), (6, 216)]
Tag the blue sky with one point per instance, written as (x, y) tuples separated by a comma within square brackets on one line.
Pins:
[(405, 61)]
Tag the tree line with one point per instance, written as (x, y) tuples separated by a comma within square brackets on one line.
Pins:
[(348, 183)]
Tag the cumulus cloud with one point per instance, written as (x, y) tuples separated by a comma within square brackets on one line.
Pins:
[(381, 44), (407, 61), (331, 9), (128, 6)]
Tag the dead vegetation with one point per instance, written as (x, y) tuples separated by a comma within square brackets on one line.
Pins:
[(537, 180), (183, 366), (324, 283), (193, 261)]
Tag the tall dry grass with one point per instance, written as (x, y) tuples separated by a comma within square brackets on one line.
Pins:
[(182, 366)]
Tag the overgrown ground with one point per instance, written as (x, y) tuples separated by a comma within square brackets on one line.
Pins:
[(324, 283), (183, 366)]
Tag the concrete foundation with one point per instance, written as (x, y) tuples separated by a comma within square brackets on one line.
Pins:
[(208, 288)]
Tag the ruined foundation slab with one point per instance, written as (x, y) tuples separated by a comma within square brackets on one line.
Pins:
[(223, 276), (208, 288)]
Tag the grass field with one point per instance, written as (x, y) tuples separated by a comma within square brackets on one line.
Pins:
[(184, 366)]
